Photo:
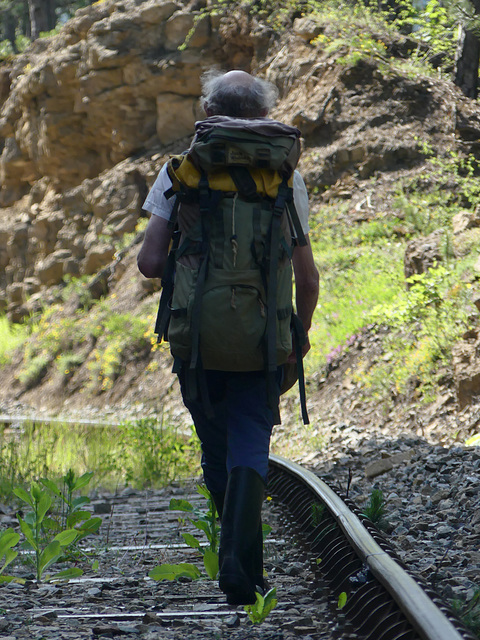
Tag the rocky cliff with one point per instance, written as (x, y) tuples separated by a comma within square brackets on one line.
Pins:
[(87, 118)]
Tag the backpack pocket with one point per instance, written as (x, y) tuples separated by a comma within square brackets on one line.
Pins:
[(179, 330), (233, 325)]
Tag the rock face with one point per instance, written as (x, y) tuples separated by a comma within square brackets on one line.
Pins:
[(422, 254), (466, 368), (88, 117), (90, 98)]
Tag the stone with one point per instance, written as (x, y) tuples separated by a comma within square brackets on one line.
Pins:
[(154, 13), (466, 372), (423, 253), (97, 257), (464, 220), (175, 116), (186, 28), (307, 28), (383, 465), (14, 293), (50, 270)]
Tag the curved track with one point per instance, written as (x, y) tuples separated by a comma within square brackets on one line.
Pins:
[(384, 602), (331, 543)]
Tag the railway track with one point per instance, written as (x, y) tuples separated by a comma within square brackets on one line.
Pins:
[(334, 554)]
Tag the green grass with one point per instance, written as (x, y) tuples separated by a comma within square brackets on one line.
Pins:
[(139, 454), (11, 336), (354, 277)]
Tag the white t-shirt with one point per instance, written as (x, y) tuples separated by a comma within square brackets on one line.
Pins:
[(157, 204)]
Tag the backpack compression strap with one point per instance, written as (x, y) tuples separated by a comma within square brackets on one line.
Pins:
[(204, 204), (299, 339), (284, 194)]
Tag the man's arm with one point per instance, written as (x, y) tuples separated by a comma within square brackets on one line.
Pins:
[(153, 254), (306, 285)]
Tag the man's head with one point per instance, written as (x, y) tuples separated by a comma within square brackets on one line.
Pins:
[(237, 94)]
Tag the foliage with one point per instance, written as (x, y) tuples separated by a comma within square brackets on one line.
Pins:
[(175, 571), (353, 278), (469, 611), (72, 515), (205, 521), (122, 333), (94, 336), (34, 370), (8, 539), (259, 611), (16, 27), (11, 337), (342, 600), (67, 363), (429, 200), (148, 453), (142, 453), (374, 510), (424, 321), (47, 549)]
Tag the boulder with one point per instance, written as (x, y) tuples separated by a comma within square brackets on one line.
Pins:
[(186, 28), (307, 28), (176, 116), (97, 257), (50, 271), (423, 253), (14, 293), (466, 369), (465, 220)]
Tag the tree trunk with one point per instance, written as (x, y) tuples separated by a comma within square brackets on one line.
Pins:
[(9, 30), (466, 63), (38, 12), (467, 59)]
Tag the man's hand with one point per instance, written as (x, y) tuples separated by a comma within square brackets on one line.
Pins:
[(292, 358)]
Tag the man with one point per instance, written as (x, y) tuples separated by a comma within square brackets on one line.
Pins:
[(235, 435)]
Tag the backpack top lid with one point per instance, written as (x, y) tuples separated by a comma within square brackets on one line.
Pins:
[(256, 143)]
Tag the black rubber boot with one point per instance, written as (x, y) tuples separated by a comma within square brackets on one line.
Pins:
[(239, 549)]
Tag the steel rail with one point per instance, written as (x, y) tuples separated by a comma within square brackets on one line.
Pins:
[(423, 614)]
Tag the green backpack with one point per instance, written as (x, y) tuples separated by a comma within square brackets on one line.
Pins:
[(227, 288)]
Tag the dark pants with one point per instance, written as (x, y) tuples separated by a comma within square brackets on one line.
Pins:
[(239, 433)]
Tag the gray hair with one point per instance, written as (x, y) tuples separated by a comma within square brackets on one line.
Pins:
[(240, 100)]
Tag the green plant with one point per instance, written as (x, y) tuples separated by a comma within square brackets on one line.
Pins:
[(342, 600), (72, 515), (47, 550), (259, 611), (8, 539), (424, 322), (352, 281), (469, 611), (120, 335), (318, 512), (139, 453), (175, 571), (205, 521), (151, 453), (77, 286), (34, 370), (374, 510), (11, 337), (68, 362)]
